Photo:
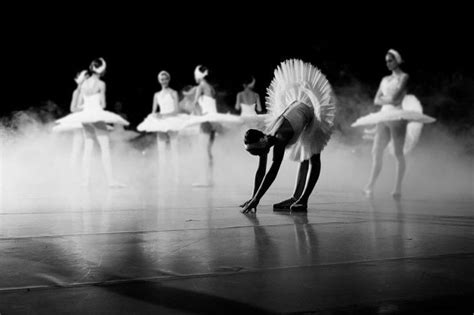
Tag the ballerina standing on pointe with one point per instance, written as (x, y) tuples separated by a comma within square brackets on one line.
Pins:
[(399, 121), (94, 120), (301, 118)]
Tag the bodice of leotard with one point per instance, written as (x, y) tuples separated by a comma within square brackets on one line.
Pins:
[(247, 109), (389, 86), (92, 102), (299, 116), (166, 102), (208, 104)]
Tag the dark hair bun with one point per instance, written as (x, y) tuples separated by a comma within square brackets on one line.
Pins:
[(252, 136)]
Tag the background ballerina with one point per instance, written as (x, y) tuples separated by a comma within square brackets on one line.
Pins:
[(165, 118), (248, 104), (211, 122), (399, 112), (94, 120)]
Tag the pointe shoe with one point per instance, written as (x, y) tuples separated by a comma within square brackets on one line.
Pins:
[(284, 205), (299, 207)]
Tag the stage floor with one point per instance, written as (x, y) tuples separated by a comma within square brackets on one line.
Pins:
[(179, 249), (162, 245)]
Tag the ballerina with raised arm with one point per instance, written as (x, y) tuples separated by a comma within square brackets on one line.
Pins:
[(94, 119)]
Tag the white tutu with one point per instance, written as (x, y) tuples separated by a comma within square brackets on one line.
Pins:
[(250, 118), (247, 110), (210, 118), (227, 120), (92, 112), (411, 111), (119, 133), (254, 121), (413, 132), (63, 127), (152, 123), (296, 80)]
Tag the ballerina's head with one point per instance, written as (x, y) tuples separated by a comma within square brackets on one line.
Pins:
[(200, 73), (393, 59), (164, 78), (258, 143), (98, 66)]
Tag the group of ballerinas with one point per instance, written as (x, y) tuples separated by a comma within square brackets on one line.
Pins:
[(200, 107), (301, 110), (89, 119)]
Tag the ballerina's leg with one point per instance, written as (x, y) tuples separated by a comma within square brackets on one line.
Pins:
[(301, 179), (89, 134), (299, 187), (381, 140), (77, 137), (311, 180), (210, 170), (398, 132), (104, 142)]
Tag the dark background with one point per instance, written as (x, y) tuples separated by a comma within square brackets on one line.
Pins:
[(44, 47)]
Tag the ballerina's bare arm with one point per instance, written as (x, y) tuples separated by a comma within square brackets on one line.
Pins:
[(199, 91), (174, 95), (237, 101), (155, 103), (278, 153), (381, 99), (190, 92), (378, 95), (74, 101), (401, 89), (259, 175), (102, 93), (259, 105)]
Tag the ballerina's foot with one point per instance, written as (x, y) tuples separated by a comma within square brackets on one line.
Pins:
[(249, 211), (299, 207), (284, 205), (396, 195)]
